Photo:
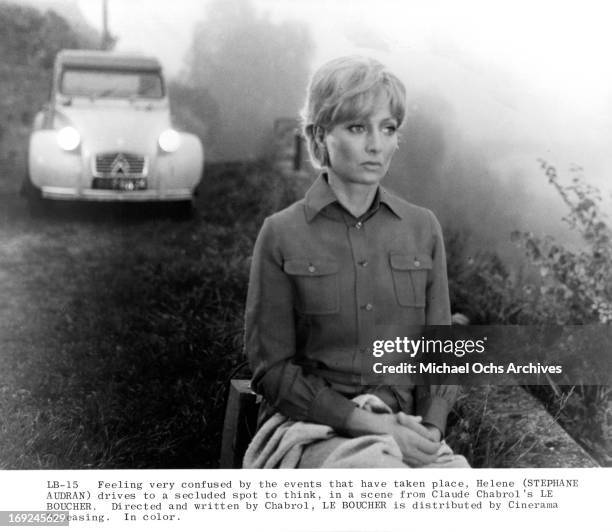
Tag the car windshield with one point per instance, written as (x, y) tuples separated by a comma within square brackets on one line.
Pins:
[(111, 83)]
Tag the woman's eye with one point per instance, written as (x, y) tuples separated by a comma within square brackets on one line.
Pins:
[(389, 130), (356, 128)]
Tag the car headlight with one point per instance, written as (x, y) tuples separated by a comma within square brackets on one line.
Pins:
[(169, 140), (68, 138)]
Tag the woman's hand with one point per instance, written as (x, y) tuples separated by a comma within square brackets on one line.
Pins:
[(416, 423), (434, 433), (413, 438)]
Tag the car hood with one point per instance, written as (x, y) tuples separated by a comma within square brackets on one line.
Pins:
[(116, 125)]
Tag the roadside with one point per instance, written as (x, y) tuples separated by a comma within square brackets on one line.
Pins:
[(118, 329)]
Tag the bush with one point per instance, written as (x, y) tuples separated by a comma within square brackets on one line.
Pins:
[(570, 287), (576, 285)]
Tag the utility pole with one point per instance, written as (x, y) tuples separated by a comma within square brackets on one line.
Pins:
[(106, 40)]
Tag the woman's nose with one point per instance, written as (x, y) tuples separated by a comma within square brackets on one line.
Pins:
[(373, 142)]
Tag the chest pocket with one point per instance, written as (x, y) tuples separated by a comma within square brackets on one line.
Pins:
[(316, 284), (410, 277)]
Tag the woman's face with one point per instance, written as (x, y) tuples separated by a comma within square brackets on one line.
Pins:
[(361, 150)]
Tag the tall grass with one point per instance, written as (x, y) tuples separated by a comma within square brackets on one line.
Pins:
[(557, 285)]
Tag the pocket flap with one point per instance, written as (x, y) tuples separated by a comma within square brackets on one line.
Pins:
[(310, 267), (416, 261)]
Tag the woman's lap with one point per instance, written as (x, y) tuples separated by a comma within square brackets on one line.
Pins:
[(373, 451)]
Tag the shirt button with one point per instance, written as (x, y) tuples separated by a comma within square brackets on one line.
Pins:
[(312, 269), (358, 225), (363, 263), (417, 262), (368, 307)]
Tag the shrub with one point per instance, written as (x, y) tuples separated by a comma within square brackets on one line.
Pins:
[(576, 285), (571, 287)]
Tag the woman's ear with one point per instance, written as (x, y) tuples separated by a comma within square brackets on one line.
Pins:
[(319, 139), (319, 136)]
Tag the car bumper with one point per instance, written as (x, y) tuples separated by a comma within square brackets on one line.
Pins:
[(88, 194)]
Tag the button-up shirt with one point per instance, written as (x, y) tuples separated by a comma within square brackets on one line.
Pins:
[(324, 285)]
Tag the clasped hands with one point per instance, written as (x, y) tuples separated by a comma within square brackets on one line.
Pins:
[(419, 443)]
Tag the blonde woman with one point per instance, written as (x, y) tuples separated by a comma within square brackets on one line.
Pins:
[(349, 263)]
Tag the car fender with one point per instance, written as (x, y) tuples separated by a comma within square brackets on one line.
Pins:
[(49, 164), (183, 167)]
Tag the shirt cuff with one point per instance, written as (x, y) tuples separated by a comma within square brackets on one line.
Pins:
[(434, 411), (331, 408)]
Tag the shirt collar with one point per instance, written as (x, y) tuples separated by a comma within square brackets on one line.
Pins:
[(395, 204), (320, 195)]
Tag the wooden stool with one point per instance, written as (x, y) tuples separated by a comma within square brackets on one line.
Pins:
[(240, 423)]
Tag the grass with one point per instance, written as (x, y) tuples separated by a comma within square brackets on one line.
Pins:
[(121, 331), (555, 285), (491, 433), (132, 327)]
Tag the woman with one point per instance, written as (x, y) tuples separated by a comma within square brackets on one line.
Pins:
[(348, 264)]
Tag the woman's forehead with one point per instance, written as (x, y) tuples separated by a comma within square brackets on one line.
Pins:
[(376, 108)]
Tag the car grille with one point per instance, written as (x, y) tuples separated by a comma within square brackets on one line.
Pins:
[(118, 164)]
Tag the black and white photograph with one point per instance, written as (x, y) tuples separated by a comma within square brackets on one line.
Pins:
[(231, 229)]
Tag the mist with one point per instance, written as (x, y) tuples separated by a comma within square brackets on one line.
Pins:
[(478, 125), (490, 92), (473, 144), (254, 70)]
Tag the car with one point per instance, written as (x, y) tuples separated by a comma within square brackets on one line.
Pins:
[(106, 135)]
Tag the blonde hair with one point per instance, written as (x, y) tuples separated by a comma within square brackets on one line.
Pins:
[(345, 89)]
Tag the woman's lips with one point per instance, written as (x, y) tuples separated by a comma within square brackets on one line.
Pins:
[(371, 164)]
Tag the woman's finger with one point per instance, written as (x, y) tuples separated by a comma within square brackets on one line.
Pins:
[(409, 439), (426, 445), (412, 423), (416, 458)]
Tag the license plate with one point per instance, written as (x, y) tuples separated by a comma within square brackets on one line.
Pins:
[(124, 184)]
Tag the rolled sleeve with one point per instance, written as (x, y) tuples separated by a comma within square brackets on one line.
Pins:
[(270, 342)]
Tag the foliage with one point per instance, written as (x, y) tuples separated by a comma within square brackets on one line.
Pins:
[(476, 434), (572, 286), (558, 285), (196, 111), (255, 70), (576, 288), (29, 41), (246, 193), (576, 285), (482, 288), (31, 38)]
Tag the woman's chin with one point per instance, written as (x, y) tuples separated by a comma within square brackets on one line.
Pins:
[(364, 176), (369, 177)]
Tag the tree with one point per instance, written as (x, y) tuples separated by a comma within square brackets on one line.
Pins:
[(31, 38), (254, 69), (29, 41)]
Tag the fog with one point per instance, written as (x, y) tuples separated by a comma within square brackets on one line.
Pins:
[(492, 88)]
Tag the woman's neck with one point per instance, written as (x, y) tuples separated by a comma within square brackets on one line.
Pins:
[(354, 197)]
